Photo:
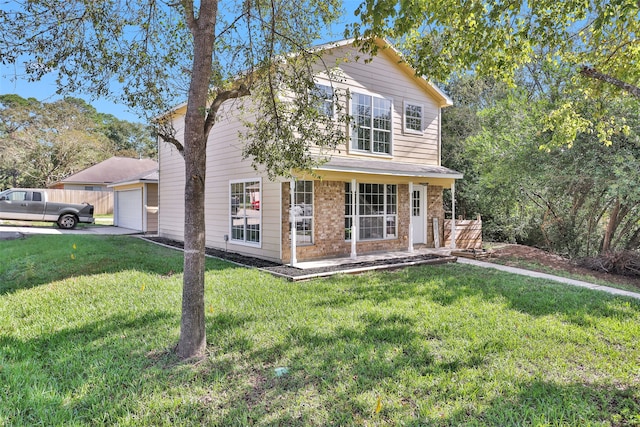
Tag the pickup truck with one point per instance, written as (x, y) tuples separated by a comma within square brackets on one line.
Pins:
[(27, 204)]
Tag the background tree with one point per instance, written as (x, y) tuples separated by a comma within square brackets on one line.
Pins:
[(577, 201), (44, 142), (496, 37), (49, 142), (129, 139), (207, 52), (15, 117), (470, 95), (598, 41)]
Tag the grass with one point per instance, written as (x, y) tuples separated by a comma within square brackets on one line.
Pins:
[(86, 339), (535, 266)]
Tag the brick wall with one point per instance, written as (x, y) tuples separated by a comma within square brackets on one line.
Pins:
[(328, 229), (435, 209)]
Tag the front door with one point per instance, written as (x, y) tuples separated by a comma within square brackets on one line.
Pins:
[(418, 214)]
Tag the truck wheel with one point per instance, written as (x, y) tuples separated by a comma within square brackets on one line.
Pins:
[(67, 221)]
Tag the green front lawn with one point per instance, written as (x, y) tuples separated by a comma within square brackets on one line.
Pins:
[(87, 324)]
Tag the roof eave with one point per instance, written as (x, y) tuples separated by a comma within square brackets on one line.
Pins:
[(390, 172), (133, 181)]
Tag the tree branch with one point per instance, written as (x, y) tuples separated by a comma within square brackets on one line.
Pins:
[(189, 14), (165, 130), (221, 97), (592, 73), (172, 140)]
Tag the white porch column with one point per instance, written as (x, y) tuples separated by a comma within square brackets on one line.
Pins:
[(355, 219), (410, 247), (453, 215), (292, 219)]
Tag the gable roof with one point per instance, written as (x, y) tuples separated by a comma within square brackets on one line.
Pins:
[(112, 170), (147, 177), (386, 48)]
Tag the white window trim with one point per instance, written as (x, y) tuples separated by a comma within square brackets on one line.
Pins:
[(244, 242), (333, 96), (404, 118), (355, 216), (355, 150), (312, 217)]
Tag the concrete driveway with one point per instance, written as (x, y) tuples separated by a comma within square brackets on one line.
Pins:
[(19, 231)]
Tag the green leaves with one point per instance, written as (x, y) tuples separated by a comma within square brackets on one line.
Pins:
[(495, 38), (552, 167), (290, 131), (42, 143), (564, 123)]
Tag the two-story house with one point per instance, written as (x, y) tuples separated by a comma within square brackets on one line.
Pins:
[(379, 192)]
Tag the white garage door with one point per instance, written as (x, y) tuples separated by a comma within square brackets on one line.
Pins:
[(129, 209)]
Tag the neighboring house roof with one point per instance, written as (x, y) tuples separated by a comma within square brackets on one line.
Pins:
[(111, 170), (147, 177), (342, 164)]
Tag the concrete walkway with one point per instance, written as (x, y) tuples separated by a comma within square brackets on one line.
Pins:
[(17, 232), (538, 275)]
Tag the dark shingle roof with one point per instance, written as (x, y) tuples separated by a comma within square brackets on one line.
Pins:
[(112, 170), (150, 176)]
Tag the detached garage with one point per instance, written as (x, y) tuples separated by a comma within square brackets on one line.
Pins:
[(136, 202)]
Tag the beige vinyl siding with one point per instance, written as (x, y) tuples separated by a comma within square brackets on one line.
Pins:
[(171, 188), (382, 77), (224, 164), (152, 208), (83, 187)]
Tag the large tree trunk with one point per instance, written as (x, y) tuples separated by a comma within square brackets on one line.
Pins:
[(192, 326), (192, 341)]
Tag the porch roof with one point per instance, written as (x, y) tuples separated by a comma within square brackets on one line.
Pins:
[(387, 168)]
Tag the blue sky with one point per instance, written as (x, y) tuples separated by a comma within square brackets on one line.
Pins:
[(45, 90), (12, 80)]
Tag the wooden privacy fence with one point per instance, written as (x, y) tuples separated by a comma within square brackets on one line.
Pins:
[(468, 233), (102, 201)]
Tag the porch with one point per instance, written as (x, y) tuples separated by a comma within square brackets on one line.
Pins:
[(390, 258), (362, 207)]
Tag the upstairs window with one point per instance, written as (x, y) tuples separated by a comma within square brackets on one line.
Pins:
[(324, 97), (413, 114), (372, 124)]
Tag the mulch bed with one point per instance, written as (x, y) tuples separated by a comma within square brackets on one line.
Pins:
[(510, 254), (294, 274)]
